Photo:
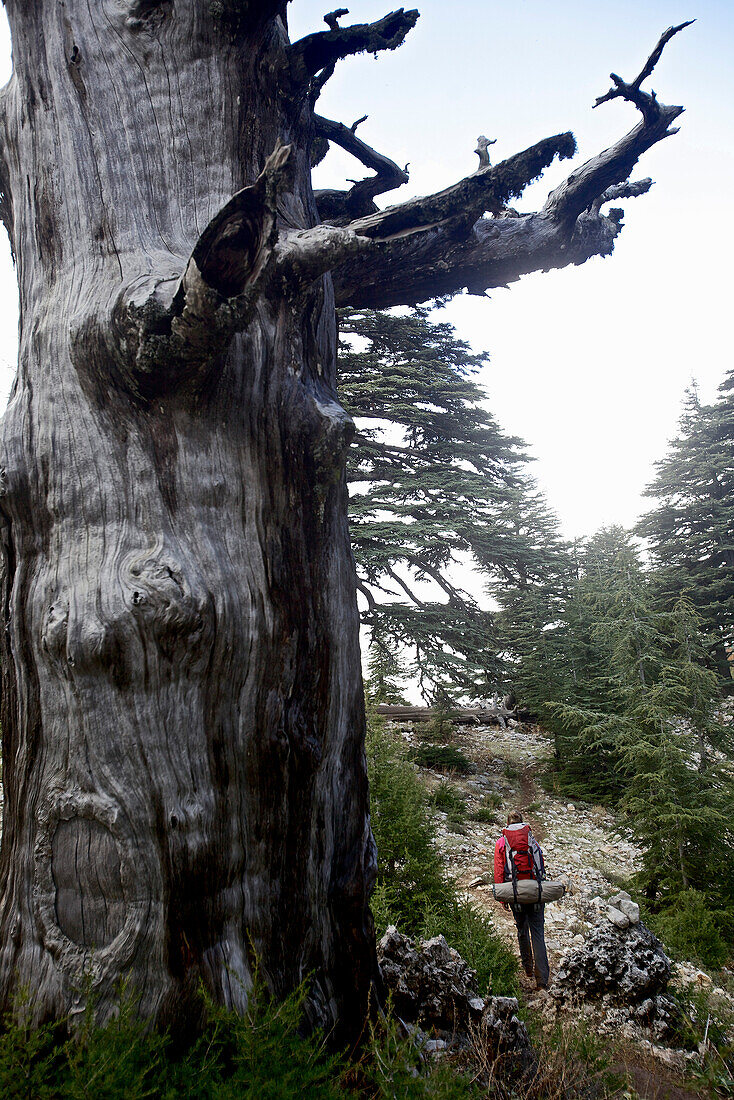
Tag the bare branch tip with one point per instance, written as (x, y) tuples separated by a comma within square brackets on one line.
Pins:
[(482, 148), (332, 18)]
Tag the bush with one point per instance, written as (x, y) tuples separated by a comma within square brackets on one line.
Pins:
[(445, 758), (688, 928), (261, 1055), (448, 798), (30, 1058), (410, 875), (484, 815)]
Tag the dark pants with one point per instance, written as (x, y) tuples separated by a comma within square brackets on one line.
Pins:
[(531, 939)]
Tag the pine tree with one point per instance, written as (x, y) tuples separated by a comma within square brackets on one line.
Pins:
[(437, 489), (690, 531), (641, 728), (533, 594)]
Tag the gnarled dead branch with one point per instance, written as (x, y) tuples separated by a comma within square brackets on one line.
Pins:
[(313, 58), (341, 206)]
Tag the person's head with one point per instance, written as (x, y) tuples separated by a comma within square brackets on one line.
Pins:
[(514, 818)]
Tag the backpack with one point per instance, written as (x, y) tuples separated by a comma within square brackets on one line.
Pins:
[(523, 857)]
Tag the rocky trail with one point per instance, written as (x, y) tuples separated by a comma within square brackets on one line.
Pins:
[(584, 846)]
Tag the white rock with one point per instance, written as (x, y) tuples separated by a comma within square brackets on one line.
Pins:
[(621, 895), (630, 909), (570, 806), (432, 1046), (617, 917)]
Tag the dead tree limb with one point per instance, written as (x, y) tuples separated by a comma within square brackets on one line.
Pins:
[(336, 206), (313, 58), (644, 101), (440, 245)]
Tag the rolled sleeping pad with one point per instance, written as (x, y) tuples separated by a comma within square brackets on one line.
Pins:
[(528, 891)]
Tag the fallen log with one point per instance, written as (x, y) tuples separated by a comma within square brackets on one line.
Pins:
[(459, 715)]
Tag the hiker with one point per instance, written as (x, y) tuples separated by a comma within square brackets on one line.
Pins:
[(517, 851)]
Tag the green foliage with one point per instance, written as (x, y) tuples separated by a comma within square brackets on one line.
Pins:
[(413, 889), (484, 815), (449, 798), (122, 1061), (262, 1055), (392, 1070), (688, 927), (434, 483), (384, 672), (410, 871), (258, 1056), (442, 726), (445, 758), (689, 530), (30, 1057)]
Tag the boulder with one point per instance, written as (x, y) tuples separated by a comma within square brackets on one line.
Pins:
[(618, 898), (434, 988), (628, 971), (430, 983), (504, 1032), (628, 964)]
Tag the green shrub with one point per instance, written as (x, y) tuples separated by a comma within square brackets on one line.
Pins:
[(30, 1057), (688, 928), (443, 758), (511, 771), (484, 815), (261, 1055), (124, 1060), (410, 873), (449, 798)]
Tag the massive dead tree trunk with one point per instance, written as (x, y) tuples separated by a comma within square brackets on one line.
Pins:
[(182, 708)]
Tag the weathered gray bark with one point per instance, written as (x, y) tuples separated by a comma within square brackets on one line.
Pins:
[(182, 709)]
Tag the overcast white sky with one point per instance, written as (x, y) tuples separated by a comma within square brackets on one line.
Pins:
[(588, 364)]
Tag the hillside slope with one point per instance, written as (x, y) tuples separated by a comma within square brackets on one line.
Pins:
[(583, 844)]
